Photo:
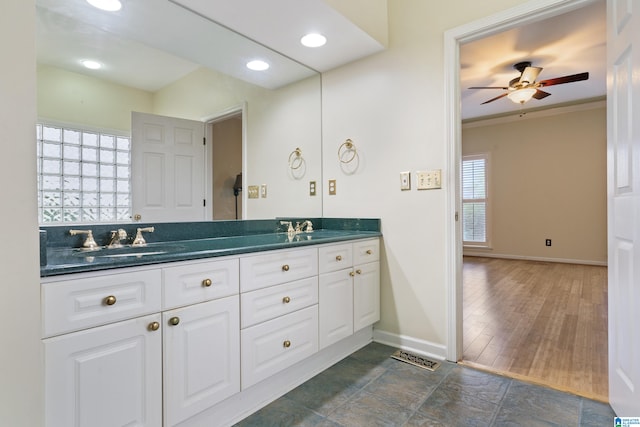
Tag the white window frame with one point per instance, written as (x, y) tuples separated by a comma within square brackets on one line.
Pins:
[(122, 211), (487, 168)]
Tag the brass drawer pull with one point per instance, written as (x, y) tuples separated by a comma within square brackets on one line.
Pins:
[(351, 273), (358, 271), (286, 344), (206, 283), (339, 258), (174, 321), (110, 300), (285, 267), (286, 300), (154, 326), (369, 251)]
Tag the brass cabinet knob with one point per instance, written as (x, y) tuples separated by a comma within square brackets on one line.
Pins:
[(339, 258), (285, 267), (369, 251), (206, 283), (154, 326), (351, 273), (174, 321), (286, 300), (358, 271), (110, 300), (286, 344)]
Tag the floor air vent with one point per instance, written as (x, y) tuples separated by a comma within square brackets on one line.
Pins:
[(415, 360)]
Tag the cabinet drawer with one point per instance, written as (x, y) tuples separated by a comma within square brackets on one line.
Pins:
[(366, 251), (268, 303), (335, 257), (277, 267), (275, 345), (198, 282), (76, 304)]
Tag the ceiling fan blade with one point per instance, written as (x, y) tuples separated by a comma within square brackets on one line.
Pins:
[(565, 79), (489, 87), (540, 94), (497, 97), (529, 75)]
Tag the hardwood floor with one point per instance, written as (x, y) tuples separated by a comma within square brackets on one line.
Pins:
[(538, 321)]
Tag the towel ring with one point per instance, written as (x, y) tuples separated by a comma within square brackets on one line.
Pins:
[(344, 149), (295, 159)]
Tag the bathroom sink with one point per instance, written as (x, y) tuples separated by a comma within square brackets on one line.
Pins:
[(129, 251)]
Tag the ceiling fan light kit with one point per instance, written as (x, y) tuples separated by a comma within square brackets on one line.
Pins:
[(523, 88)]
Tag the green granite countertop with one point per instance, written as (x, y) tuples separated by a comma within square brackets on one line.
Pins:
[(65, 260)]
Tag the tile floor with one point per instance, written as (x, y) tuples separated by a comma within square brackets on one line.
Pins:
[(368, 388)]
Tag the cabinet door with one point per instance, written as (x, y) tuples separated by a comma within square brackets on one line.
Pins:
[(336, 307), (201, 357), (366, 295), (106, 376)]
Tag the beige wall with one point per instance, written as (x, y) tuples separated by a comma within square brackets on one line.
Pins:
[(78, 99), (227, 163), (21, 369), (547, 180)]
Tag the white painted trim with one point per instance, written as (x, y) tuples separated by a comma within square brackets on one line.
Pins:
[(241, 405), (534, 258), (404, 342), (534, 10), (554, 111)]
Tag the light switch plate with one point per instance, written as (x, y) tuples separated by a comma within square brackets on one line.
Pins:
[(254, 191), (332, 187), (263, 191), (405, 180), (429, 180)]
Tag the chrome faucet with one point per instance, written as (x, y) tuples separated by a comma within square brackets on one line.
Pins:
[(306, 226), (139, 240), (116, 237)]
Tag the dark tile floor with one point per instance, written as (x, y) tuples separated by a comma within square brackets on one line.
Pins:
[(368, 388)]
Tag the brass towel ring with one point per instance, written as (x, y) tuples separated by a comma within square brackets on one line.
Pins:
[(346, 147), (295, 159)]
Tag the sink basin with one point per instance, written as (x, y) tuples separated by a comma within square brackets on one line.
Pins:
[(128, 251)]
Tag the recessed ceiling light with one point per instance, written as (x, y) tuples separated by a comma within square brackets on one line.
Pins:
[(257, 65), (313, 40), (108, 5), (90, 64)]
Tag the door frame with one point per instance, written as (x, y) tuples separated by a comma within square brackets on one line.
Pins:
[(240, 109), (534, 10)]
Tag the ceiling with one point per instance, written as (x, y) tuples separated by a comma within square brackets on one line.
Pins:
[(571, 43), (151, 43)]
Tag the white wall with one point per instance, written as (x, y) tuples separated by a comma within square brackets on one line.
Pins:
[(392, 106), (21, 402)]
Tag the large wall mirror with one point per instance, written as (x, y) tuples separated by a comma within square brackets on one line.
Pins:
[(161, 59)]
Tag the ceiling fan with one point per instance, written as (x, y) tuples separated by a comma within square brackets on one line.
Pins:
[(523, 88)]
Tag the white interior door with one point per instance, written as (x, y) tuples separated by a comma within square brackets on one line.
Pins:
[(168, 168), (623, 165)]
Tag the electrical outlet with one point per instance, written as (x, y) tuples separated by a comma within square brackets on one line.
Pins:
[(332, 187), (254, 191), (263, 191), (547, 242), (312, 188), (429, 180), (405, 180)]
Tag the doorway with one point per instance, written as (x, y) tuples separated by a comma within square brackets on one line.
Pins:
[(534, 11)]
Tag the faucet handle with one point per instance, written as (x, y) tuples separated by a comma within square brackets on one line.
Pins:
[(309, 225), (89, 242), (139, 240), (289, 225)]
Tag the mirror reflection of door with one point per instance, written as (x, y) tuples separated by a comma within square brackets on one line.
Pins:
[(167, 168), (225, 135)]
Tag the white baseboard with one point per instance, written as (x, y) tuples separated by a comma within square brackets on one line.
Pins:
[(533, 258), (424, 348)]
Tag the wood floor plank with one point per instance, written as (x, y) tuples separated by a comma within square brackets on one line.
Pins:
[(539, 321)]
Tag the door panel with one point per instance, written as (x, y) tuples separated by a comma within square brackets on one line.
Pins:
[(623, 166)]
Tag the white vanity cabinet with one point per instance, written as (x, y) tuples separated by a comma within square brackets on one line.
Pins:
[(349, 289)]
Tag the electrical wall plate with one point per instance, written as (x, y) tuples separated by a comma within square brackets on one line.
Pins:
[(332, 187), (312, 188), (429, 180), (254, 191), (405, 181), (263, 191)]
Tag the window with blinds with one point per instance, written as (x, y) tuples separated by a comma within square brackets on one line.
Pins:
[(474, 200), (83, 175)]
